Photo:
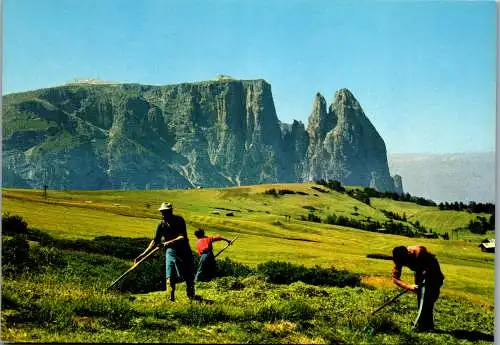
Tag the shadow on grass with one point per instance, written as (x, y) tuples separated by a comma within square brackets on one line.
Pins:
[(202, 300), (467, 335)]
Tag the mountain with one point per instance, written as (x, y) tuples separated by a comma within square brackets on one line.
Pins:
[(447, 177), (344, 145), (210, 134)]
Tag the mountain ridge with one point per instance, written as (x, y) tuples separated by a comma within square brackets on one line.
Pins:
[(210, 133)]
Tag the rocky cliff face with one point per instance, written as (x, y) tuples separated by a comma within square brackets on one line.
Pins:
[(345, 146), (398, 184), (214, 133)]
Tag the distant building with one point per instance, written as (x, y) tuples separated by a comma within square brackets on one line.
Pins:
[(488, 246), (223, 77), (430, 235)]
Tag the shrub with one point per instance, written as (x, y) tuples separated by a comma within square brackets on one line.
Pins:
[(42, 237), (393, 215), (13, 225), (331, 276), (148, 277), (15, 254), (272, 192), (321, 190), (311, 217), (477, 226), (379, 256), (278, 192), (285, 191), (307, 207), (481, 225), (19, 257), (369, 225), (285, 273), (331, 219), (332, 184), (281, 272), (120, 247), (48, 257), (227, 267)]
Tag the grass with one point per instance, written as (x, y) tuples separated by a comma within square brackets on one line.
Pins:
[(264, 231), (290, 313), (429, 217), (75, 309)]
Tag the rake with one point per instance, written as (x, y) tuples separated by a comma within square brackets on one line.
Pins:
[(134, 266), (227, 245), (401, 293)]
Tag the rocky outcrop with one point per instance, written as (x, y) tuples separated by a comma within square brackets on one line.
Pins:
[(398, 184), (344, 145), (210, 134)]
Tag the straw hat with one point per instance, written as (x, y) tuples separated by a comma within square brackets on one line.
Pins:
[(165, 206)]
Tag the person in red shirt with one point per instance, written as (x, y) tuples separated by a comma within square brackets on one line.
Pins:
[(428, 280), (206, 267)]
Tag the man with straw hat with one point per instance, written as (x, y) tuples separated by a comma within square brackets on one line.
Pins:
[(178, 257)]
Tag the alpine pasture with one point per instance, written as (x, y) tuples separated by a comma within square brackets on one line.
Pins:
[(68, 302)]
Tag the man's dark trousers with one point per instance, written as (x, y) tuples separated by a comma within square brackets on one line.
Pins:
[(427, 295), (206, 268)]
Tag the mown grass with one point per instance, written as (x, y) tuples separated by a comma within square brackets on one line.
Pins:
[(264, 231), (428, 216), (249, 308), (59, 306)]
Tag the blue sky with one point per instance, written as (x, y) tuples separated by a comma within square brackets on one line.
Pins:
[(423, 71)]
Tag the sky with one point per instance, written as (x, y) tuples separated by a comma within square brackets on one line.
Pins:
[(424, 72)]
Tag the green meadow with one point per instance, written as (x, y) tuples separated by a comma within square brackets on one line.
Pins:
[(250, 307)]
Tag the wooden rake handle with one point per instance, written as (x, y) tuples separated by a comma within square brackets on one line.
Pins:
[(390, 301), (227, 245), (134, 266)]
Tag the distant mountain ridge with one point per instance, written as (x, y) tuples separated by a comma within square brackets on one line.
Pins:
[(210, 134), (447, 177)]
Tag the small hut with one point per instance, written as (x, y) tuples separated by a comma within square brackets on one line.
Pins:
[(488, 246)]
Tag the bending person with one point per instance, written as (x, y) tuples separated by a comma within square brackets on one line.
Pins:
[(206, 267), (428, 280)]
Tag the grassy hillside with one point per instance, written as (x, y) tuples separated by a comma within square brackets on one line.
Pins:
[(265, 234), (430, 217)]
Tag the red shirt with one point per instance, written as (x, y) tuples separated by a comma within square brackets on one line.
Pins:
[(205, 243)]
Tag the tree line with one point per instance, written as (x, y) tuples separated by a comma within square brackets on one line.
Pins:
[(366, 193), (393, 226), (472, 207)]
